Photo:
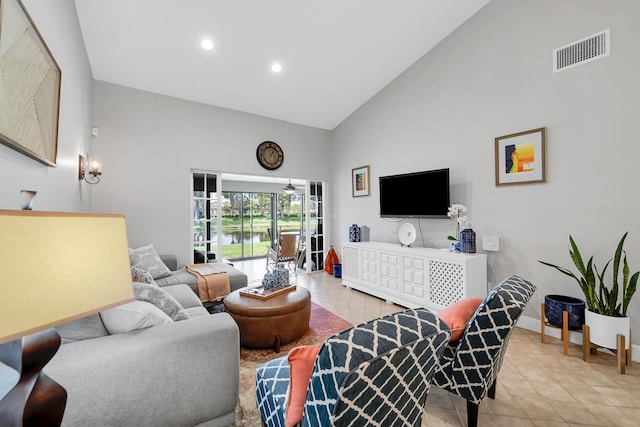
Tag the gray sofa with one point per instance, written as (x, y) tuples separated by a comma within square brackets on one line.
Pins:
[(183, 373), (237, 278)]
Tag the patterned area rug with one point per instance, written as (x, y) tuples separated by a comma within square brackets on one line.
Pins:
[(322, 325)]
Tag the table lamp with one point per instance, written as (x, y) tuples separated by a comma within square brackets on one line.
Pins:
[(54, 267)]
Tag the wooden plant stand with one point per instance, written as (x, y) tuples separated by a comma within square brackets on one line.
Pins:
[(564, 330), (623, 356)]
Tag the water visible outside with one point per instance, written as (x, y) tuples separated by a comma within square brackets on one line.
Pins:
[(233, 238)]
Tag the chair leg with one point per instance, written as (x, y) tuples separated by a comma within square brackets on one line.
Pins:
[(472, 414), (492, 390)]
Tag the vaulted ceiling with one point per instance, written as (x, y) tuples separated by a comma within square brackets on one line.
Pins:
[(334, 54)]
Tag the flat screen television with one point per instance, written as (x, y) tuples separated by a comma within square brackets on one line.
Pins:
[(415, 195)]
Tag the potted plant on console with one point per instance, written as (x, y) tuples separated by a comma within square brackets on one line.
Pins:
[(606, 314)]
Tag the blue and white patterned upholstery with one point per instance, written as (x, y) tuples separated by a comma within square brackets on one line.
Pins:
[(272, 380), (376, 373), (470, 367)]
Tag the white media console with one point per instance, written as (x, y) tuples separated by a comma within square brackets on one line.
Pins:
[(413, 277)]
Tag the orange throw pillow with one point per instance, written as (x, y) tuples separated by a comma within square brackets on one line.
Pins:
[(457, 315), (301, 360)]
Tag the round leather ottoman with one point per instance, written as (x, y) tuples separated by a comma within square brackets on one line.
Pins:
[(271, 322)]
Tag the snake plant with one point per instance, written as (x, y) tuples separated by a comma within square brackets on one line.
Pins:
[(601, 298)]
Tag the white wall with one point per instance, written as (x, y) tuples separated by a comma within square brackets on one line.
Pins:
[(149, 144), (493, 77), (58, 188)]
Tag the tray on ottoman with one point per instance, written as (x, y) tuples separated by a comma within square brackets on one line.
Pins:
[(260, 292)]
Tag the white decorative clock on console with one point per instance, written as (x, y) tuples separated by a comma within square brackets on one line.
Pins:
[(407, 234)]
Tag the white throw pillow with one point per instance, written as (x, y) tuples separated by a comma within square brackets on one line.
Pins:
[(133, 316), (146, 258)]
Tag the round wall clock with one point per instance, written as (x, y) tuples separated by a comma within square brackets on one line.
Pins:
[(270, 155)]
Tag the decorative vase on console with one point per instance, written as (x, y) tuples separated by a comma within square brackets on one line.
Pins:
[(468, 240), (354, 233), (455, 212)]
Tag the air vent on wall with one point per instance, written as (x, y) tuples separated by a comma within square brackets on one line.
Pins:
[(582, 51)]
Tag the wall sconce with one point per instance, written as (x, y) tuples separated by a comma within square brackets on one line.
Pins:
[(93, 167)]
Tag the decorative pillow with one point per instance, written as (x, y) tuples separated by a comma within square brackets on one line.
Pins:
[(142, 276), (147, 258), (161, 299), (457, 315), (133, 316), (82, 329), (301, 360)]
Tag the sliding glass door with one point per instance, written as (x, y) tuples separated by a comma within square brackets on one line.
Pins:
[(246, 223), (242, 224)]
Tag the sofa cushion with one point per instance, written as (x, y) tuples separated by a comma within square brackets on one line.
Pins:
[(237, 279), (133, 316), (184, 295), (161, 299), (197, 312), (179, 277), (146, 258), (82, 329)]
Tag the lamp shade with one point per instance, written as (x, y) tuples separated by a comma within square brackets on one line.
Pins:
[(95, 165), (56, 267)]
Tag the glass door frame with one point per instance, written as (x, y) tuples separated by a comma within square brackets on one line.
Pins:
[(218, 201), (305, 213)]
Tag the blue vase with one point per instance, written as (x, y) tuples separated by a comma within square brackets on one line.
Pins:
[(468, 241), (337, 270), (282, 277), (354, 233), (269, 281)]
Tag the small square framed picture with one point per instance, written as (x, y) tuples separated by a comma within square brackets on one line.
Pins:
[(360, 181), (520, 157)]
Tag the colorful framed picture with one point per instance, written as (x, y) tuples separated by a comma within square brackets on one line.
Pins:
[(29, 86), (360, 181), (520, 157)]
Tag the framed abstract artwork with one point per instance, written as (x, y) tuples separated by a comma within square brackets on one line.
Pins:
[(520, 157), (360, 181), (29, 86)]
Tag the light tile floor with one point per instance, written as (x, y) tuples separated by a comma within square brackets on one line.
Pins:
[(537, 386)]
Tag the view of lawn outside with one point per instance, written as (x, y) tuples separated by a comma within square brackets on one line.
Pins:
[(256, 238), (246, 220)]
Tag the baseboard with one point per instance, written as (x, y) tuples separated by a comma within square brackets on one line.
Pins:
[(532, 324)]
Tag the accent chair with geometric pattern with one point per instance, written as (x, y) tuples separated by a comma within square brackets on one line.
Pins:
[(470, 366), (374, 374)]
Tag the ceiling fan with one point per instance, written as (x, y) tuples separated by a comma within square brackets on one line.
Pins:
[(289, 188)]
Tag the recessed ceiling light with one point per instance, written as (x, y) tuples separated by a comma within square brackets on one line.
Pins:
[(207, 44), (276, 67)]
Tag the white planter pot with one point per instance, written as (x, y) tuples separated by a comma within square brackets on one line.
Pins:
[(603, 330)]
